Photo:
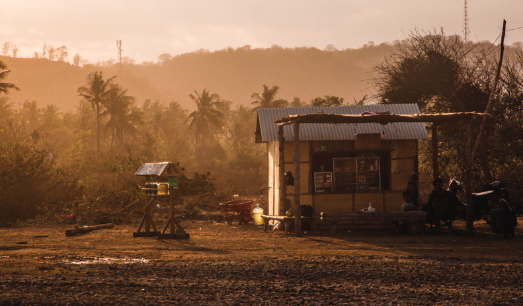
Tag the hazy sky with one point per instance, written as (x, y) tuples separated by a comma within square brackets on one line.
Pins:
[(149, 28)]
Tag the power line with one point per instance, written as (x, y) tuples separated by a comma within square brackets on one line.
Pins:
[(514, 29)]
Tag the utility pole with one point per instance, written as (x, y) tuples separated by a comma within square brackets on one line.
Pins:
[(119, 46), (466, 30)]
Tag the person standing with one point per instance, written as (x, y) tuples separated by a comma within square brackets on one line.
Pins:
[(415, 196)]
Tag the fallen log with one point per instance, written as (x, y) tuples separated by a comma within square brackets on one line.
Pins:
[(86, 229)]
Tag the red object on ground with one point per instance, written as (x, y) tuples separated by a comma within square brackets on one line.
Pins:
[(239, 210)]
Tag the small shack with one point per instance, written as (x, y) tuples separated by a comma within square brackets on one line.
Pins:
[(343, 166), (160, 184)]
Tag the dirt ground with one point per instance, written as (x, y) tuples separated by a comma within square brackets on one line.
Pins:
[(241, 265)]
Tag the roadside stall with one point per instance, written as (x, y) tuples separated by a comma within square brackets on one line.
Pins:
[(345, 159), (161, 182)]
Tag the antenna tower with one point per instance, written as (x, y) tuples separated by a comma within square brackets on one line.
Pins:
[(466, 30), (119, 46)]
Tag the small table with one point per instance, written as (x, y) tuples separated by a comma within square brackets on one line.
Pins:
[(286, 221)]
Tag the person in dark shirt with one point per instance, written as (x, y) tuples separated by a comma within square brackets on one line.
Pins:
[(441, 205)]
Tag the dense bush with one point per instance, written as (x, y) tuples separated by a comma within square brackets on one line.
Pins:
[(29, 182)]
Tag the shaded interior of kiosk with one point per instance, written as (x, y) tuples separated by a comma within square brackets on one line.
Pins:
[(339, 167)]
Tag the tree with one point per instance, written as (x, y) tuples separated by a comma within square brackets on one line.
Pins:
[(296, 102), (207, 118), (267, 98), (444, 74), (164, 58), (5, 87), (123, 115), (51, 118), (14, 49), (51, 52), (61, 53), (97, 93), (77, 59), (327, 101), (6, 48)]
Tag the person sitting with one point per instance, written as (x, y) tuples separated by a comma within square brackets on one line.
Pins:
[(416, 196), (440, 206), (407, 205)]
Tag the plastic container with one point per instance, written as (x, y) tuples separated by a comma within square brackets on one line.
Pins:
[(257, 212)]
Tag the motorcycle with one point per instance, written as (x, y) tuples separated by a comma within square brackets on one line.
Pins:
[(493, 205)]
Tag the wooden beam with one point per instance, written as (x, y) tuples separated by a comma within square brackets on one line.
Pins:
[(435, 152), (297, 208), (468, 180), (283, 188), (378, 118), (310, 179)]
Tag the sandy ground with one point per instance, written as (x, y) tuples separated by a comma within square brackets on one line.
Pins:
[(241, 265)]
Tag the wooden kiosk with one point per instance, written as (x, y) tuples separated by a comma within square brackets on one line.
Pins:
[(160, 184)]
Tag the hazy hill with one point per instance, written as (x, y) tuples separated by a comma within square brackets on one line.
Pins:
[(233, 73)]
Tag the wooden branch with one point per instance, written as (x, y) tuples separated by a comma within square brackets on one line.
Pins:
[(86, 229), (127, 206), (491, 97)]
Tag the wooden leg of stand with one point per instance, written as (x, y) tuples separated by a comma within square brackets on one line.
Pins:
[(141, 224), (151, 222), (144, 218)]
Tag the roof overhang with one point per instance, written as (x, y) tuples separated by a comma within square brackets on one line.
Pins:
[(378, 118)]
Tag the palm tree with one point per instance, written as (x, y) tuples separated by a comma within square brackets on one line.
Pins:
[(123, 115), (207, 115), (97, 92), (30, 113), (266, 99), (154, 112), (5, 87), (51, 118)]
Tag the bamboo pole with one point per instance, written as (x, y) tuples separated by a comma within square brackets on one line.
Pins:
[(283, 188), (297, 208)]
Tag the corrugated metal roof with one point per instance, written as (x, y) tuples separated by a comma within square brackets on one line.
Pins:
[(154, 168), (327, 131)]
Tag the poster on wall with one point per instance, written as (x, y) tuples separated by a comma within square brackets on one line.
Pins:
[(322, 182)]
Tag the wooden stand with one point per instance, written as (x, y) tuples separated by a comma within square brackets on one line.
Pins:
[(176, 231), (148, 221)]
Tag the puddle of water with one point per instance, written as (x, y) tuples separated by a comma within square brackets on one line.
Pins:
[(4, 257), (106, 260)]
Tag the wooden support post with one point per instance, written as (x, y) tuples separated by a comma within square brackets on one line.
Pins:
[(435, 164), (468, 180), (283, 188), (297, 208), (311, 174), (147, 222), (171, 208)]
